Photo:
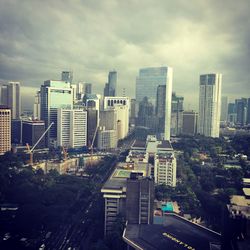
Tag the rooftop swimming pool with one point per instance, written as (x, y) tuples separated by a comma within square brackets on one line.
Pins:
[(168, 207)]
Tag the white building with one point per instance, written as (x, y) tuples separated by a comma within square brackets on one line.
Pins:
[(165, 168), (54, 95), (210, 105), (122, 107), (106, 139), (36, 107), (146, 86), (72, 128)]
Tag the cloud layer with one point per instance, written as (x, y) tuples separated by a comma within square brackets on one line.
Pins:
[(39, 39)]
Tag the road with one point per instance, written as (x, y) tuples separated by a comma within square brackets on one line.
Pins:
[(73, 235)]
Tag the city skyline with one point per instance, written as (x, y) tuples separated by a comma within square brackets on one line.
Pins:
[(100, 38)]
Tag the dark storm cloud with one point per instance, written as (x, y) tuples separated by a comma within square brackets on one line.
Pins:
[(38, 39)]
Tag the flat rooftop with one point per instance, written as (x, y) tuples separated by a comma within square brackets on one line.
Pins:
[(139, 144), (118, 179), (175, 233), (165, 144)]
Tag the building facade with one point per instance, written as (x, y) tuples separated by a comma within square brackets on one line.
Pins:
[(54, 95), (11, 97), (176, 114), (146, 86), (189, 125), (32, 131), (110, 86), (122, 107), (72, 128), (67, 76), (210, 105), (224, 109), (37, 107), (106, 139), (5, 129)]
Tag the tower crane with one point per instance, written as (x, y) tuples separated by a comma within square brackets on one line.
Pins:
[(92, 144), (30, 150)]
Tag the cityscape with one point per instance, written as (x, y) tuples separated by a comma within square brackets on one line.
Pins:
[(142, 155)]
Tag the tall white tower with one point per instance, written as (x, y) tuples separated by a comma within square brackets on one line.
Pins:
[(210, 105)]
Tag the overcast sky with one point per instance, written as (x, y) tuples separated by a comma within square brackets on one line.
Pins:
[(39, 39)]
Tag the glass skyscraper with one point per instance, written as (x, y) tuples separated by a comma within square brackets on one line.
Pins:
[(146, 86), (110, 87)]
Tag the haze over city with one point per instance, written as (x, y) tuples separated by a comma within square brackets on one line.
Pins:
[(40, 39)]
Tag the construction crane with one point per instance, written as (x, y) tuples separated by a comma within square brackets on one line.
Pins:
[(30, 150), (92, 145)]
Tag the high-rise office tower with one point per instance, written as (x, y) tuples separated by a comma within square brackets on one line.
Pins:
[(5, 129), (92, 124), (4, 95), (37, 107), (189, 125), (72, 127), (32, 131), (110, 87), (176, 114), (54, 95), (241, 111), (231, 113), (67, 76), (224, 107), (132, 117), (210, 105), (146, 116), (248, 111), (146, 86), (122, 107), (88, 88), (80, 90), (10, 96)]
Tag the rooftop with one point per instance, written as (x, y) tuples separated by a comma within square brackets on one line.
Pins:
[(139, 144), (175, 233), (118, 179)]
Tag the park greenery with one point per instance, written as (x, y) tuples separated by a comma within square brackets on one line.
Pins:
[(204, 185)]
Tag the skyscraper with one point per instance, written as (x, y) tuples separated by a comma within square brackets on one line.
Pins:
[(146, 86), (210, 105), (5, 129), (88, 88), (189, 125), (241, 111), (224, 106), (54, 95), (67, 76), (176, 114), (110, 87), (37, 107), (10, 96)]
